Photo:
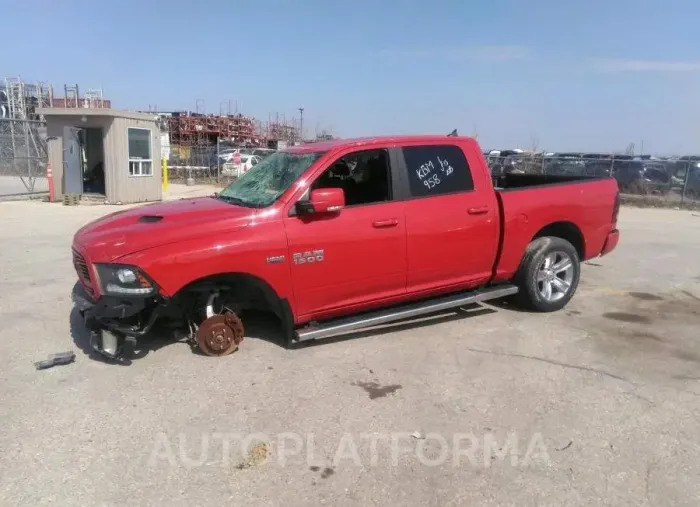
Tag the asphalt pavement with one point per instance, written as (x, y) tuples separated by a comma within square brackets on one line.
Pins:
[(597, 404)]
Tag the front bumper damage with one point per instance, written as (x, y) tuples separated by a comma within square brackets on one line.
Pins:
[(115, 321)]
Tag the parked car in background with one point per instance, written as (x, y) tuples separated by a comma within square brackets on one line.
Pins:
[(226, 155), (247, 162), (643, 176), (684, 167), (597, 164), (692, 181), (564, 164), (262, 153), (502, 162)]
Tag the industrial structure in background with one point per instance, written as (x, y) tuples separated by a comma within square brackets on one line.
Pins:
[(186, 129), (195, 144), (23, 153), (20, 100)]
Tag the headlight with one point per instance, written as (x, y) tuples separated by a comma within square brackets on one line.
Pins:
[(123, 280)]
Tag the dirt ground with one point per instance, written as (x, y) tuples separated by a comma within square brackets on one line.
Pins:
[(598, 404)]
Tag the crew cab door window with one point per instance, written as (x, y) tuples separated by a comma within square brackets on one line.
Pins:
[(437, 170), (364, 177)]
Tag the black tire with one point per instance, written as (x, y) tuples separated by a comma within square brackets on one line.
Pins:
[(530, 295)]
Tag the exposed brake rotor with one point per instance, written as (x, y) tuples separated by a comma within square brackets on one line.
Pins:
[(220, 335)]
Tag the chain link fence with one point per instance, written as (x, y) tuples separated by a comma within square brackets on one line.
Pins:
[(23, 158), (218, 165), (641, 179), (195, 163)]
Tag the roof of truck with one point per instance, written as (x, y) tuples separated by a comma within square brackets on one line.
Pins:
[(369, 141)]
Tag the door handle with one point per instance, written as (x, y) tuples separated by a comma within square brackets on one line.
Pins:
[(478, 211), (391, 222)]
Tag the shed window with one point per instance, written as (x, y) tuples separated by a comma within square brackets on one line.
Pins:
[(140, 160)]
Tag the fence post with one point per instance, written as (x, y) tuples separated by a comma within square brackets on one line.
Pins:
[(685, 183), (165, 174)]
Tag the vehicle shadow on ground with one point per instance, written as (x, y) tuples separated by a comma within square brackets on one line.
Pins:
[(456, 314), (266, 327), (258, 326), (509, 304)]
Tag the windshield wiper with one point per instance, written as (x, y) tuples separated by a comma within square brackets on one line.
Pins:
[(234, 200)]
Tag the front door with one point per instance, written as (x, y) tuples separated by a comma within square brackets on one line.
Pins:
[(347, 261), (72, 168)]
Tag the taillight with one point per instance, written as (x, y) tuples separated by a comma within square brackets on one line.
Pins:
[(616, 207)]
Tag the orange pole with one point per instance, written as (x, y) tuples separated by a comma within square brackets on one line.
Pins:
[(49, 177)]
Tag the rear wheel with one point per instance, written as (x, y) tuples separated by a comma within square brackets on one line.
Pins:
[(549, 274)]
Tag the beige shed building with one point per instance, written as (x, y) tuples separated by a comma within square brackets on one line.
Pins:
[(104, 152)]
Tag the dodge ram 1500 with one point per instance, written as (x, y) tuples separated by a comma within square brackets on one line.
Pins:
[(336, 236)]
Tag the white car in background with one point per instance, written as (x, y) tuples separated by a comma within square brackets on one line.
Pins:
[(226, 155), (231, 168)]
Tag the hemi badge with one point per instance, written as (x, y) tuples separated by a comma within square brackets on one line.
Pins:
[(275, 259)]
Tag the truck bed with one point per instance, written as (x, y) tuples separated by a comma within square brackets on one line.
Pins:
[(516, 181), (529, 202)]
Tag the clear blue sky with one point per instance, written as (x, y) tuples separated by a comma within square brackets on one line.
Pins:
[(566, 74)]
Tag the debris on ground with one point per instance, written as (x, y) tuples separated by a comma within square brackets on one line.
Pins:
[(55, 359), (566, 446), (257, 455)]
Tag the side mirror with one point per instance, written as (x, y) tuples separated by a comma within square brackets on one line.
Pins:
[(323, 200)]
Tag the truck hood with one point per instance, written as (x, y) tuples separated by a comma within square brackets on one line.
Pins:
[(133, 230)]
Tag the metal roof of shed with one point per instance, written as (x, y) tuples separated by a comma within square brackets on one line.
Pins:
[(95, 111)]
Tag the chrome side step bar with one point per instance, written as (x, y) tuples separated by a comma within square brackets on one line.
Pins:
[(346, 324)]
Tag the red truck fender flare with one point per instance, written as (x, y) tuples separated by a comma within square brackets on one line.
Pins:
[(568, 231)]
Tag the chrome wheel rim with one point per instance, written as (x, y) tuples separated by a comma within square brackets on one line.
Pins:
[(555, 276)]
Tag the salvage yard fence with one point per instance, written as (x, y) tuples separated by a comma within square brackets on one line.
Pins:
[(23, 158), (641, 179)]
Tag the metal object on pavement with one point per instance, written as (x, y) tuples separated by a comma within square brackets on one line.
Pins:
[(55, 359), (220, 335)]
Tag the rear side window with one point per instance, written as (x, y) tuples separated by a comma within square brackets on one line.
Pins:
[(438, 169)]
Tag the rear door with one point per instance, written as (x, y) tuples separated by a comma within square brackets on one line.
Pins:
[(357, 257), (451, 222)]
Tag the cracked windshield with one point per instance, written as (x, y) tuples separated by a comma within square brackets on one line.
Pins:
[(264, 183)]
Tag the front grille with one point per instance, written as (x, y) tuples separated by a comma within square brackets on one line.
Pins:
[(81, 266)]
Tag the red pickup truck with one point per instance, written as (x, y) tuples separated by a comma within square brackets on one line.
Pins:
[(336, 236)]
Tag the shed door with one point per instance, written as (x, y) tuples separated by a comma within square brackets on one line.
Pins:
[(72, 171)]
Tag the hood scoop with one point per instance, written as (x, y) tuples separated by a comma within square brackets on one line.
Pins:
[(150, 219)]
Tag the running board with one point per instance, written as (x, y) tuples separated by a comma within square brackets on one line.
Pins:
[(346, 324)]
